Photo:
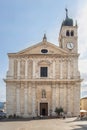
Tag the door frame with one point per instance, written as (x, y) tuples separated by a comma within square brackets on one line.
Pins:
[(42, 106), (39, 107)]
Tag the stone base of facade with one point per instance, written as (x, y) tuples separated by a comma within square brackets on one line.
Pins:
[(69, 114)]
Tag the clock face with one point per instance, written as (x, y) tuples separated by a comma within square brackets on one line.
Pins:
[(70, 45)]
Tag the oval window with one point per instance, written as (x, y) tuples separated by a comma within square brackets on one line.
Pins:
[(44, 50)]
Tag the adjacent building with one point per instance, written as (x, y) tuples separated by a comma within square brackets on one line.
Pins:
[(83, 103)]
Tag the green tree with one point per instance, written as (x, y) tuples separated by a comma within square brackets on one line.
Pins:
[(58, 110)]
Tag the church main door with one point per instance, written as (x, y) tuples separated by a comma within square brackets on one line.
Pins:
[(44, 109)]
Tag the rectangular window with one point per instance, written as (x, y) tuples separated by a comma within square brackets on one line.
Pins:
[(43, 71)]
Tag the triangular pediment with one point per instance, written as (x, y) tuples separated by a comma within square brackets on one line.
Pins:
[(40, 47)]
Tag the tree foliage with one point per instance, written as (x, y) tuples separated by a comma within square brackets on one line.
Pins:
[(58, 110)]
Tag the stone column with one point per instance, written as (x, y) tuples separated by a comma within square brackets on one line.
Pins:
[(61, 69), (65, 98), (69, 101), (57, 68), (61, 95), (18, 74), (72, 103), (18, 100), (75, 68), (26, 69), (33, 69), (11, 67), (30, 99), (54, 69), (64, 68), (57, 95), (76, 99), (22, 99), (33, 100), (25, 101), (68, 69), (53, 99)]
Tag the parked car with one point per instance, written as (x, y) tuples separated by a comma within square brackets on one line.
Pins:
[(2, 114)]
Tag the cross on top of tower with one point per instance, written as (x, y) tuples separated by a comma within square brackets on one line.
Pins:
[(44, 38), (66, 12), (68, 21)]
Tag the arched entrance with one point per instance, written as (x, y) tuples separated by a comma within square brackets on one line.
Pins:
[(44, 109)]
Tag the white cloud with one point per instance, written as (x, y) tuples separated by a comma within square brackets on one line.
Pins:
[(84, 91), (82, 30), (84, 88), (83, 65), (2, 94), (81, 17)]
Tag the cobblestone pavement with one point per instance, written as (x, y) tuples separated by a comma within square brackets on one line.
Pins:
[(50, 124)]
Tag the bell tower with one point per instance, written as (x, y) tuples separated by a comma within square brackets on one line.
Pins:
[(68, 38)]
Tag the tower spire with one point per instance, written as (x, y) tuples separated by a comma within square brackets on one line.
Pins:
[(66, 12), (76, 23), (44, 38)]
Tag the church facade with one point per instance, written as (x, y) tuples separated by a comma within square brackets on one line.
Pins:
[(45, 76)]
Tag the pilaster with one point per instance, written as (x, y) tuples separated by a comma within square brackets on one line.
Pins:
[(76, 99), (18, 100), (72, 99), (33, 68), (25, 101), (53, 68), (11, 66), (22, 98), (65, 98), (53, 99), (61, 95), (29, 99), (57, 95), (68, 100), (33, 100), (68, 69), (61, 69), (18, 72), (26, 69)]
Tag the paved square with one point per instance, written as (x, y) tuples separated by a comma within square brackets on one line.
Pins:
[(51, 124)]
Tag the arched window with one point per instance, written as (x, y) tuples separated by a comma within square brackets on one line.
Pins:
[(72, 33), (43, 93), (67, 33)]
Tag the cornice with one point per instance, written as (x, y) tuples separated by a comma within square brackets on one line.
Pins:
[(43, 55), (45, 80)]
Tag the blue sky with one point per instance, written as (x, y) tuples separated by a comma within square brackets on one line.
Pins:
[(23, 23)]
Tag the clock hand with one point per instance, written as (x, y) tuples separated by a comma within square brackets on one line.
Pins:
[(70, 45)]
